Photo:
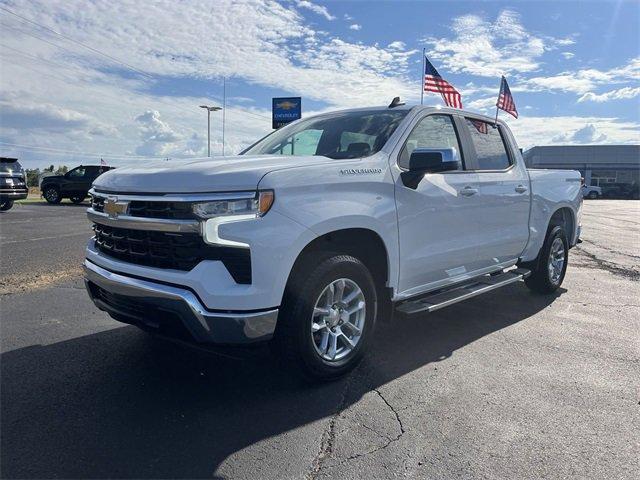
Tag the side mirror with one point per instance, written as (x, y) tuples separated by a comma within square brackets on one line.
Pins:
[(429, 160)]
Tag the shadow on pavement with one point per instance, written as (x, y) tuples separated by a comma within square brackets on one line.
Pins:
[(122, 404)]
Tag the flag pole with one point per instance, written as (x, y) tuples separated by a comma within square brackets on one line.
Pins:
[(422, 78), (495, 123)]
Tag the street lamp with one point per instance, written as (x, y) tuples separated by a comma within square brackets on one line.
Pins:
[(209, 110)]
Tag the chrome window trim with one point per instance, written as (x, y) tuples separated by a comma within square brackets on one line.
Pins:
[(176, 197)]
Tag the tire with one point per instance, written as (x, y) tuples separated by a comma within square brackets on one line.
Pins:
[(545, 277), (592, 195), (301, 345), (52, 195), (6, 205), (78, 199)]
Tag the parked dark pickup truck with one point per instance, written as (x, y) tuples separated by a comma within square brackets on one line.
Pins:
[(74, 184), (13, 185)]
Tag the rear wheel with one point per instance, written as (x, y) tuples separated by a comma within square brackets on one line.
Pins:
[(328, 317), (52, 195), (78, 199), (551, 264), (6, 205), (593, 195)]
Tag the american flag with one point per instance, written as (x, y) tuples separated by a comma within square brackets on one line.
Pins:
[(482, 127), (433, 82), (505, 99), (103, 163)]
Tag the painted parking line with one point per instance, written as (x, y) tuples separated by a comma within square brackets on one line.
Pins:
[(87, 234)]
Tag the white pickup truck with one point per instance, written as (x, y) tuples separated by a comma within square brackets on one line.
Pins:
[(325, 227)]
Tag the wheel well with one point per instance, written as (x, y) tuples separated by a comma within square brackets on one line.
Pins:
[(563, 217), (361, 243)]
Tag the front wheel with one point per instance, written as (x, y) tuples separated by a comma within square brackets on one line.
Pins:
[(593, 195), (328, 317), (6, 205), (552, 262), (52, 195)]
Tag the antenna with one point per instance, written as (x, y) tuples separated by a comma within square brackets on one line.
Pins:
[(395, 102)]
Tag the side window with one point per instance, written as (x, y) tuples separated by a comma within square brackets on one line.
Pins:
[(489, 144), (77, 173), (434, 131), (301, 143), (91, 172)]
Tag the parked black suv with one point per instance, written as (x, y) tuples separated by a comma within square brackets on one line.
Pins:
[(74, 184), (13, 185)]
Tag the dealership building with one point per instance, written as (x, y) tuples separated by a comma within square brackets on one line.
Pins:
[(615, 168)]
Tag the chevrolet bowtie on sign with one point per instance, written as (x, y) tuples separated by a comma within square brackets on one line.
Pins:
[(285, 110), (113, 207)]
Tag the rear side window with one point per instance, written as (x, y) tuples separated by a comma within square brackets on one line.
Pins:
[(489, 144), (433, 131)]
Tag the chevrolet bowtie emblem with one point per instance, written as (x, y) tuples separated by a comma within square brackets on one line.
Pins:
[(113, 207)]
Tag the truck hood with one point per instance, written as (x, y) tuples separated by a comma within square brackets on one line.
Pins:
[(199, 175)]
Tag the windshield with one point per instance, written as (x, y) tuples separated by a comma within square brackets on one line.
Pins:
[(11, 166), (340, 135)]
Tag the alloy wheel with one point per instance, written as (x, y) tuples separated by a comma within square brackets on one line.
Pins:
[(556, 260), (338, 319)]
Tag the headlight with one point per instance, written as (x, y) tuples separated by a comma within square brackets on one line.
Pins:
[(218, 212), (258, 206)]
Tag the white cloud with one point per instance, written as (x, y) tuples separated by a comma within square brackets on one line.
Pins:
[(563, 42), (481, 103), (397, 45), (489, 49), (583, 81), (568, 55), (619, 94), (587, 134), (547, 130), (319, 9), (158, 138), (92, 100), (355, 26)]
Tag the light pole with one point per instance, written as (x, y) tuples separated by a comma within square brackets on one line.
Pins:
[(209, 110)]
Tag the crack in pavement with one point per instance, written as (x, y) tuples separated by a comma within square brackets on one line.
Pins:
[(611, 250), (615, 219), (594, 262), (390, 440), (329, 435)]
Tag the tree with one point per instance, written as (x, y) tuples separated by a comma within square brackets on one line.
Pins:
[(32, 177)]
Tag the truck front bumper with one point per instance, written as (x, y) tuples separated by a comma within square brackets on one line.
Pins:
[(173, 311)]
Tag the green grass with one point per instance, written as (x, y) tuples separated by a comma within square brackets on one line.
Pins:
[(36, 198)]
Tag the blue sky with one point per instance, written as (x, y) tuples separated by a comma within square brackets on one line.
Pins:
[(123, 80)]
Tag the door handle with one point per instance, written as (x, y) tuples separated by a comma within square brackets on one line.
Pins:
[(468, 191), (521, 189)]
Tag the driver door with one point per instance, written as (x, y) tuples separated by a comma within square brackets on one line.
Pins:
[(437, 221)]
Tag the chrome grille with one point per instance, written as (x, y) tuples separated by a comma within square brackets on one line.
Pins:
[(167, 210)]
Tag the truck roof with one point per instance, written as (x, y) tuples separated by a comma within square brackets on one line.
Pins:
[(416, 108)]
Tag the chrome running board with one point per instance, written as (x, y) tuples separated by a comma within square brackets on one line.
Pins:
[(444, 298)]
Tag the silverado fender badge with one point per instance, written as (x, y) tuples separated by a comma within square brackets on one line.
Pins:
[(113, 207), (360, 171)]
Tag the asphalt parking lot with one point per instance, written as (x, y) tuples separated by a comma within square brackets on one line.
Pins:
[(507, 385)]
